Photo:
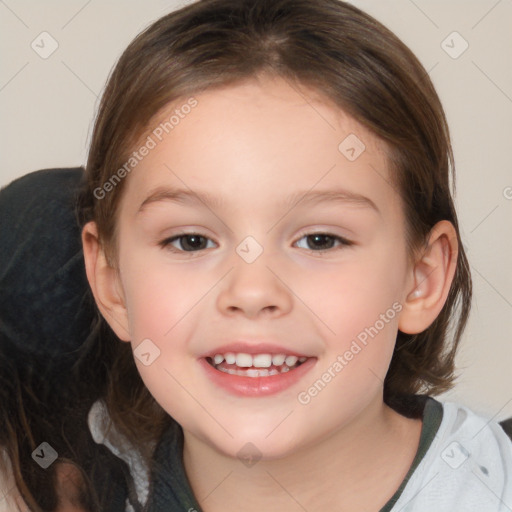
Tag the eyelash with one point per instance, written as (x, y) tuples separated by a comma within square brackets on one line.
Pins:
[(166, 244)]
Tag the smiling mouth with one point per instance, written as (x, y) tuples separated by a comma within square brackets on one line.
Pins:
[(259, 365)]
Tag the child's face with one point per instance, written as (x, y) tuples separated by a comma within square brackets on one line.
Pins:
[(251, 148)]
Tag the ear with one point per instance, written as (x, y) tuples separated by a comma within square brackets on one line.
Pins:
[(430, 279), (105, 283)]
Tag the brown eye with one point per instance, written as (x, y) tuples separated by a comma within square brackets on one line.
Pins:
[(319, 242), (186, 242)]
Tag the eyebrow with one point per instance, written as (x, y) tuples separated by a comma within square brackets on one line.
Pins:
[(180, 195)]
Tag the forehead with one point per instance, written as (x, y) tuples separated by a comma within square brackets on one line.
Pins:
[(257, 142)]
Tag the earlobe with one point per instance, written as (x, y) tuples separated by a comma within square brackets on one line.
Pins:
[(105, 283), (431, 280)]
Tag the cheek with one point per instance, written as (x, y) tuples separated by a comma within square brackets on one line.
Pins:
[(157, 296), (160, 303), (352, 294), (358, 304)]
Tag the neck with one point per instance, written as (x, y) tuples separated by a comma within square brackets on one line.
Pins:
[(372, 457)]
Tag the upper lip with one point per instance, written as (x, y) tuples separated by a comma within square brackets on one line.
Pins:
[(253, 349)]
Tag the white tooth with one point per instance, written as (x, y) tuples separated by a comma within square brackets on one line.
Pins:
[(230, 358), (285, 369), (263, 373), (250, 373), (218, 358), (278, 359), (291, 360), (302, 359), (273, 372), (231, 371), (241, 373), (262, 360), (243, 360)]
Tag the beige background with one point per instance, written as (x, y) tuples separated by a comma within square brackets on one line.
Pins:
[(47, 107)]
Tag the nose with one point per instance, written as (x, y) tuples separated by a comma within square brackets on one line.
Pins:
[(254, 290)]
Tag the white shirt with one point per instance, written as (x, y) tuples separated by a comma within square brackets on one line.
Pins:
[(467, 468)]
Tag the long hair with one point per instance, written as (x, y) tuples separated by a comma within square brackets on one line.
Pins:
[(351, 60)]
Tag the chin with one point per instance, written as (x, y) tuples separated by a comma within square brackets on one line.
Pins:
[(256, 445)]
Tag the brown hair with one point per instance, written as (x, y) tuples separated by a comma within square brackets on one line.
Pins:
[(351, 60)]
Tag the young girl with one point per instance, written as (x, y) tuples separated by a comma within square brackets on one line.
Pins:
[(269, 231)]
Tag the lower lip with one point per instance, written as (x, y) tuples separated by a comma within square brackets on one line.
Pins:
[(257, 386)]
